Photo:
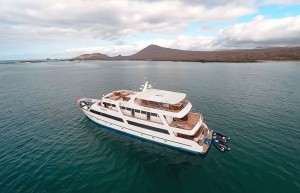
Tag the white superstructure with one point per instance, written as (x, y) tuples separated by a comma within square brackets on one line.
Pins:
[(157, 115)]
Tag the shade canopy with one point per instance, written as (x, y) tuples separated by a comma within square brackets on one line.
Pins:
[(161, 96)]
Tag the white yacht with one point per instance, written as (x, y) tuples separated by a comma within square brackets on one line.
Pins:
[(156, 115)]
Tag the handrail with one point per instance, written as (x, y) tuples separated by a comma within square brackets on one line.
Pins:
[(170, 108), (177, 124)]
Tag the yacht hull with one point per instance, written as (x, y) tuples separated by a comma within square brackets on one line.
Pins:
[(139, 132)]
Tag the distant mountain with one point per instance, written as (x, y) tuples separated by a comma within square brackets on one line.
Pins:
[(157, 53), (154, 52), (95, 56)]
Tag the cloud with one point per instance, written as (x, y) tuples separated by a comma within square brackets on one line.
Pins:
[(194, 43), (262, 31), (280, 2), (85, 26), (259, 32), (119, 49), (112, 20), (181, 42)]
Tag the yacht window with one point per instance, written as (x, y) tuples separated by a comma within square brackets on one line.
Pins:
[(143, 112), (107, 116), (113, 105), (122, 107), (137, 111), (105, 104), (154, 114), (128, 109), (148, 127)]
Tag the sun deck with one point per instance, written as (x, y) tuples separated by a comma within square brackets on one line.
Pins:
[(161, 96), (123, 95), (188, 122), (162, 106)]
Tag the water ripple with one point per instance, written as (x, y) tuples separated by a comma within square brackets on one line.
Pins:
[(48, 145)]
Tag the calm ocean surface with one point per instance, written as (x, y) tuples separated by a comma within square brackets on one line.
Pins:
[(48, 145)]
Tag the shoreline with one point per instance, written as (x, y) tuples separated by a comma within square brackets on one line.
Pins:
[(190, 61), (199, 61)]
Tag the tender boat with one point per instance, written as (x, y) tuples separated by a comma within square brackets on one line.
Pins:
[(223, 139), (156, 115), (221, 145), (221, 136), (218, 144)]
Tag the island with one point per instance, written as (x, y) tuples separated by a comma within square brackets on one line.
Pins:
[(158, 53)]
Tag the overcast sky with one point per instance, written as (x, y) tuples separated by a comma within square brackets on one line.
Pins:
[(34, 29)]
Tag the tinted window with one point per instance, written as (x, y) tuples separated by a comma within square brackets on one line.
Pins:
[(128, 109), (106, 115), (144, 112), (113, 105), (137, 111), (154, 114), (148, 127)]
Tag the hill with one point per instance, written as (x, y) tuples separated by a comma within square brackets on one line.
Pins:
[(95, 56), (157, 53)]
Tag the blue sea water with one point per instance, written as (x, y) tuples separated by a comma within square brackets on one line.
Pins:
[(48, 145)]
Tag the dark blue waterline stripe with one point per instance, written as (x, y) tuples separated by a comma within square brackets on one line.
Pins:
[(132, 135)]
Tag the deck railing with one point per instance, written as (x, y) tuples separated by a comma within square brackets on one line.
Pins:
[(120, 95), (162, 106), (187, 124)]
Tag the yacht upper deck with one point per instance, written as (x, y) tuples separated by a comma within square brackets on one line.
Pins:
[(161, 99), (122, 95), (162, 106), (188, 122), (161, 96), (152, 98)]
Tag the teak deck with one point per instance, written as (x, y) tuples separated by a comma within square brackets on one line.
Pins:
[(189, 124)]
